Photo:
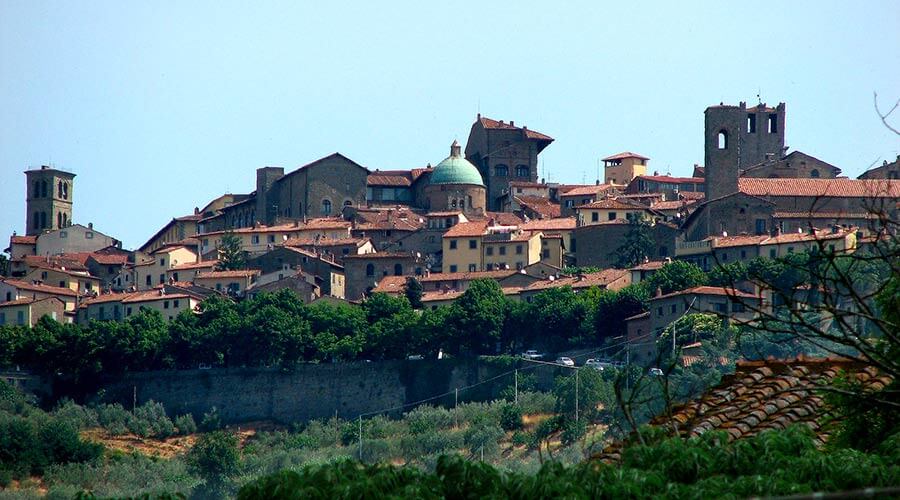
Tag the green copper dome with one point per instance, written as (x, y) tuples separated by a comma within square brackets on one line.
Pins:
[(456, 170)]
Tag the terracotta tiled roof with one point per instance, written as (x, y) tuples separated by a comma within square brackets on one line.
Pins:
[(71, 261), (390, 284), (380, 255), (673, 205), (504, 218), (587, 280), (472, 228), (440, 295), (18, 302), (527, 184), (649, 266), (645, 314), (557, 224), (442, 214), (195, 265), (764, 239), (39, 287), (325, 242), (612, 204), (152, 295), (824, 215), (672, 180), (626, 154), (244, 273), (22, 240), (467, 276), (691, 195), (543, 206), (393, 178), (586, 190), (762, 395), (311, 224), (827, 188), (109, 259), (494, 124)]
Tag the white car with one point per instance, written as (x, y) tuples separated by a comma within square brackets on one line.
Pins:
[(562, 360), (656, 372), (532, 354), (595, 364)]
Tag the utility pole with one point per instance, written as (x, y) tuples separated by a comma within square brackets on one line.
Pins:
[(456, 407), (516, 373), (576, 395)]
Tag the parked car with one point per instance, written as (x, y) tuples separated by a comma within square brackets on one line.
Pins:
[(595, 364), (532, 354), (562, 360), (656, 372)]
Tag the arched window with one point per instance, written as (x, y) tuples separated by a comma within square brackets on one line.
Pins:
[(59, 219), (37, 220), (44, 216), (65, 220), (370, 269), (398, 269), (45, 190), (723, 139), (65, 190), (326, 207), (59, 189), (453, 203), (37, 190), (522, 171), (348, 203), (501, 170), (814, 174)]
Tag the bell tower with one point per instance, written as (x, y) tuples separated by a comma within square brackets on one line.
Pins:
[(48, 199)]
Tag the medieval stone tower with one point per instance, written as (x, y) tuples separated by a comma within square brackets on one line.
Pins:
[(48, 200), (738, 137)]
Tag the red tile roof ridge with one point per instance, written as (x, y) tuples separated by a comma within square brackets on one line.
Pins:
[(708, 290), (623, 155), (240, 273), (39, 287), (841, 188), (23, 239)]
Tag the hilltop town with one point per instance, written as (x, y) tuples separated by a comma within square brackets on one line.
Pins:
[(333, 230)]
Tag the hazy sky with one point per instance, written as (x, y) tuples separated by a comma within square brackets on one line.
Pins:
[(161, 106)]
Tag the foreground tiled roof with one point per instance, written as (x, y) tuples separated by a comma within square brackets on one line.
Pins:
[(587, 280), (543, 206), (557, 224), (710, 290), (195, 265), (390, 284), (467, 276), (827, 188), (472, 228), (763, 395), (22, 240), (781, 239)]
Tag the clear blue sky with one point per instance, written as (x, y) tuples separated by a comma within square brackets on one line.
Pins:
[(161, 106)]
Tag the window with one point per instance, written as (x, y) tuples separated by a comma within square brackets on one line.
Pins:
[(743, 254), (772, 253), (149, 280), (518, 249), (59, 189), (523, 171), (489, 266), (760, 226), (326, 207), (254, 239), (611, 216), (595, 216), (452, 268), (519, 266), (546, 254), (773, 123), (37, 190), (737, 306), (2, 318), (473, 244), (162, 279), (348, 203), (271, 238), (175, 276), (724, 256), (489, 250), (720, 307), (472, 268), (162, 262), (501, 170), (659, 311), (814, 173), (398, 269), (673, 308), (89, 235), (574, 246), (59, 219), (723, 139), (370, 269), (63, 234), (502, 250), (66, 190), (165, 304), (20, 317), (570, 203), (128, 311), (751, 124), (452, 244)]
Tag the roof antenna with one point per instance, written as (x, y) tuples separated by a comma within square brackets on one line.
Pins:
[(758, 98)]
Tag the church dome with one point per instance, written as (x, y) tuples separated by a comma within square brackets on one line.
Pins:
[(456, 170)]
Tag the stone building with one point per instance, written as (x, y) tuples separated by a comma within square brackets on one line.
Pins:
[(48, 203), (795, 165), (329, 275), (364, 271), (621, 168), (596, 244), (503, 152), (885, 171), (318, 189), (738, 137), (455, 184)]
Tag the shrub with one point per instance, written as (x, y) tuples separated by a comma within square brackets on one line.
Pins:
[(322, 434), (510, 417), (185, 424), (483, 437), (114, 418), (521, 438), (536, 402), (426, 418), (80, 416), (6, 478), (211, 421), (215, 457), (150, 419), (11, 400)]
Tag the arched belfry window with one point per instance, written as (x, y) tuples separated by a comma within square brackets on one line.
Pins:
[(723, 139), (326, 207), (59, 192), (814, 173), (65, 190), (522, 171), (501, 170)]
